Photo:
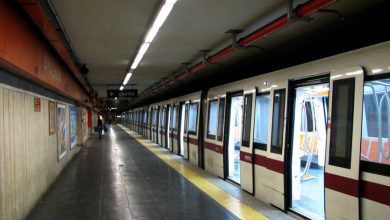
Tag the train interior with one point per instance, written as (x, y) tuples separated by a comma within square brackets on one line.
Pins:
[(181, 136), (159, 127), (235, 130), (376, 122), (308, 153), (168, 128)]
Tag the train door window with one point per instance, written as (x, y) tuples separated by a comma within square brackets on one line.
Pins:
[(212, 119), (192, 118), (221, 118), (278, 121), (261, 121), (235, 130), (375, 148), (342, 122), (246, 131), (308, 150), (174, 118)]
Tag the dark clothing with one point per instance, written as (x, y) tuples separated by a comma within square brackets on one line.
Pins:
[(100, 127)]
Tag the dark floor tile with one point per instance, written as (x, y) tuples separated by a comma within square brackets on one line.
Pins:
[(120, 179)]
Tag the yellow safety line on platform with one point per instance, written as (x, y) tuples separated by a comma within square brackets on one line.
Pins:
[(231, 203)]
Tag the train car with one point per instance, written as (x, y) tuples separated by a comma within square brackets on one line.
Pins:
[(311, 139)]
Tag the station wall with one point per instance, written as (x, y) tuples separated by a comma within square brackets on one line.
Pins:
[(29, 161)]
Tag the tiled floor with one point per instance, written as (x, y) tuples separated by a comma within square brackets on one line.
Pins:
[(118, 178)]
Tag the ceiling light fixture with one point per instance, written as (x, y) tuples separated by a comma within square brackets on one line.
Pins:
[(121, 88), (127, 78), (152, 32)]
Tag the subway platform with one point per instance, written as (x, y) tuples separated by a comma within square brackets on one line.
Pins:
[(124, 176)]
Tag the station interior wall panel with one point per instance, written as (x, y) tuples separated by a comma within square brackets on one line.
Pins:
[(28, 153)]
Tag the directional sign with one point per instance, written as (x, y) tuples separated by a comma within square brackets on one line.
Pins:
[(126, 93)]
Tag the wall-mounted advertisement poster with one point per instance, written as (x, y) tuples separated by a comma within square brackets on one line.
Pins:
[(73, 126), (61, 131), (52, 117), (85, 122)]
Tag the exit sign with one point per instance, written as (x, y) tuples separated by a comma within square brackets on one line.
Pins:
[(126, 93)]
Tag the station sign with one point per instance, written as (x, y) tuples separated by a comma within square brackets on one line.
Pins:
[(126, 93)]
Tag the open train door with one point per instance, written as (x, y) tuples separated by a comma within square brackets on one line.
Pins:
[(246, 149), (343, 144)]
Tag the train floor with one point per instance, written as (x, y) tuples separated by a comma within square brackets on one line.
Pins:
[(124, 176)]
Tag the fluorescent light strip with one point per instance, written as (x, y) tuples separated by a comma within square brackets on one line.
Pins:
[(127, 78), (151, 34), (121, 88)]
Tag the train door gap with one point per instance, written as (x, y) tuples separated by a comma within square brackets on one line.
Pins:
[(233, 130), (181, 134), (308, 143)]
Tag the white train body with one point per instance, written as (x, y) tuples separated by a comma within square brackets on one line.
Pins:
[(322, 126)]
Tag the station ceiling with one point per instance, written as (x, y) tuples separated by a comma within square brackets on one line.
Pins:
[(106, 35)]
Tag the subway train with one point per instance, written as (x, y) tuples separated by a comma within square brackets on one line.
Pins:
[(310, 139)]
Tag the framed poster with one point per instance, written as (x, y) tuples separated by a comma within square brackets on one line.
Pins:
[(85, 123), (62, 132), (52, 117), (73, 126)]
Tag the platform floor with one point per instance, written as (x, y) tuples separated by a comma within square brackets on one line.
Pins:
[(124, 176)]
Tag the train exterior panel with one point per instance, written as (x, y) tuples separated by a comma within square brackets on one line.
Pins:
[(310, 139)]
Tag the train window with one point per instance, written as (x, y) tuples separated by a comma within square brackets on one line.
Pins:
[(174, 119), (247, 120), (212, 119), (221, 117), (342, 122), (185, 118), (375, 149), (261, 121), (162, 123), (192, 118), (278, 121)]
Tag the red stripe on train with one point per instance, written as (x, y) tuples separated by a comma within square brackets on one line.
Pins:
[(274, 165), (342, 184), (246, 157), (376, 192), (213, 147)]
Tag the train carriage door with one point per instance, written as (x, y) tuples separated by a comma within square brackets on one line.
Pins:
[(309, 115), (343, 144), (232, 137), (246, 149)]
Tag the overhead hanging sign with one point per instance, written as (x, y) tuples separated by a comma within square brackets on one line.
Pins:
[(126, 93)]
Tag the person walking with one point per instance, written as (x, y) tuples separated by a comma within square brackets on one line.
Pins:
[(100, 126)]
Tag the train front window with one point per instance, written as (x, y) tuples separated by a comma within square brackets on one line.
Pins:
[(376, 122), (261, 121)]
